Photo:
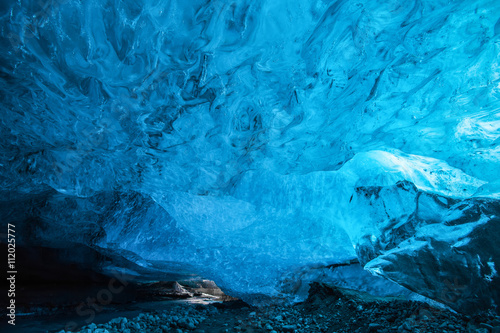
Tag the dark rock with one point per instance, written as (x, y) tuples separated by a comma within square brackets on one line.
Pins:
[(289, 328), (373, 327), (484, 325)]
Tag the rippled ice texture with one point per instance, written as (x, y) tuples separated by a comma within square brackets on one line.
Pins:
[(251, 123)]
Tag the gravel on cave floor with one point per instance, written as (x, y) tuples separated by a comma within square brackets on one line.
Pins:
[(327, 309)]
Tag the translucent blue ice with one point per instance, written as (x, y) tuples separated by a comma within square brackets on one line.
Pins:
[(254, 126)]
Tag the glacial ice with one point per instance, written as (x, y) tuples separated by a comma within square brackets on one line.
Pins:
[(258, 143)]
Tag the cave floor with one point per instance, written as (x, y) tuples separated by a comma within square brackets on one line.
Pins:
[(326, 310)]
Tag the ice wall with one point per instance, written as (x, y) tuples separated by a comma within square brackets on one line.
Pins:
[(257, 131)]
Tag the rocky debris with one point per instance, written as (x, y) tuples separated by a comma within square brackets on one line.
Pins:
[(181, 291), (165, 290), (328, 309), (178, 319)]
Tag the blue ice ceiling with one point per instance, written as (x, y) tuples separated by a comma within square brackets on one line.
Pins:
[(248, 140)]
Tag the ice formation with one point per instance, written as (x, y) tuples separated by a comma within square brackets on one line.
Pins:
[(248, 140)]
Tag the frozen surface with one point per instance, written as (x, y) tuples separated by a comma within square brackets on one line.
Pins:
[(248, 140)]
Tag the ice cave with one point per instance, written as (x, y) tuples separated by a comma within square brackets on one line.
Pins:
[(278, 151)]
